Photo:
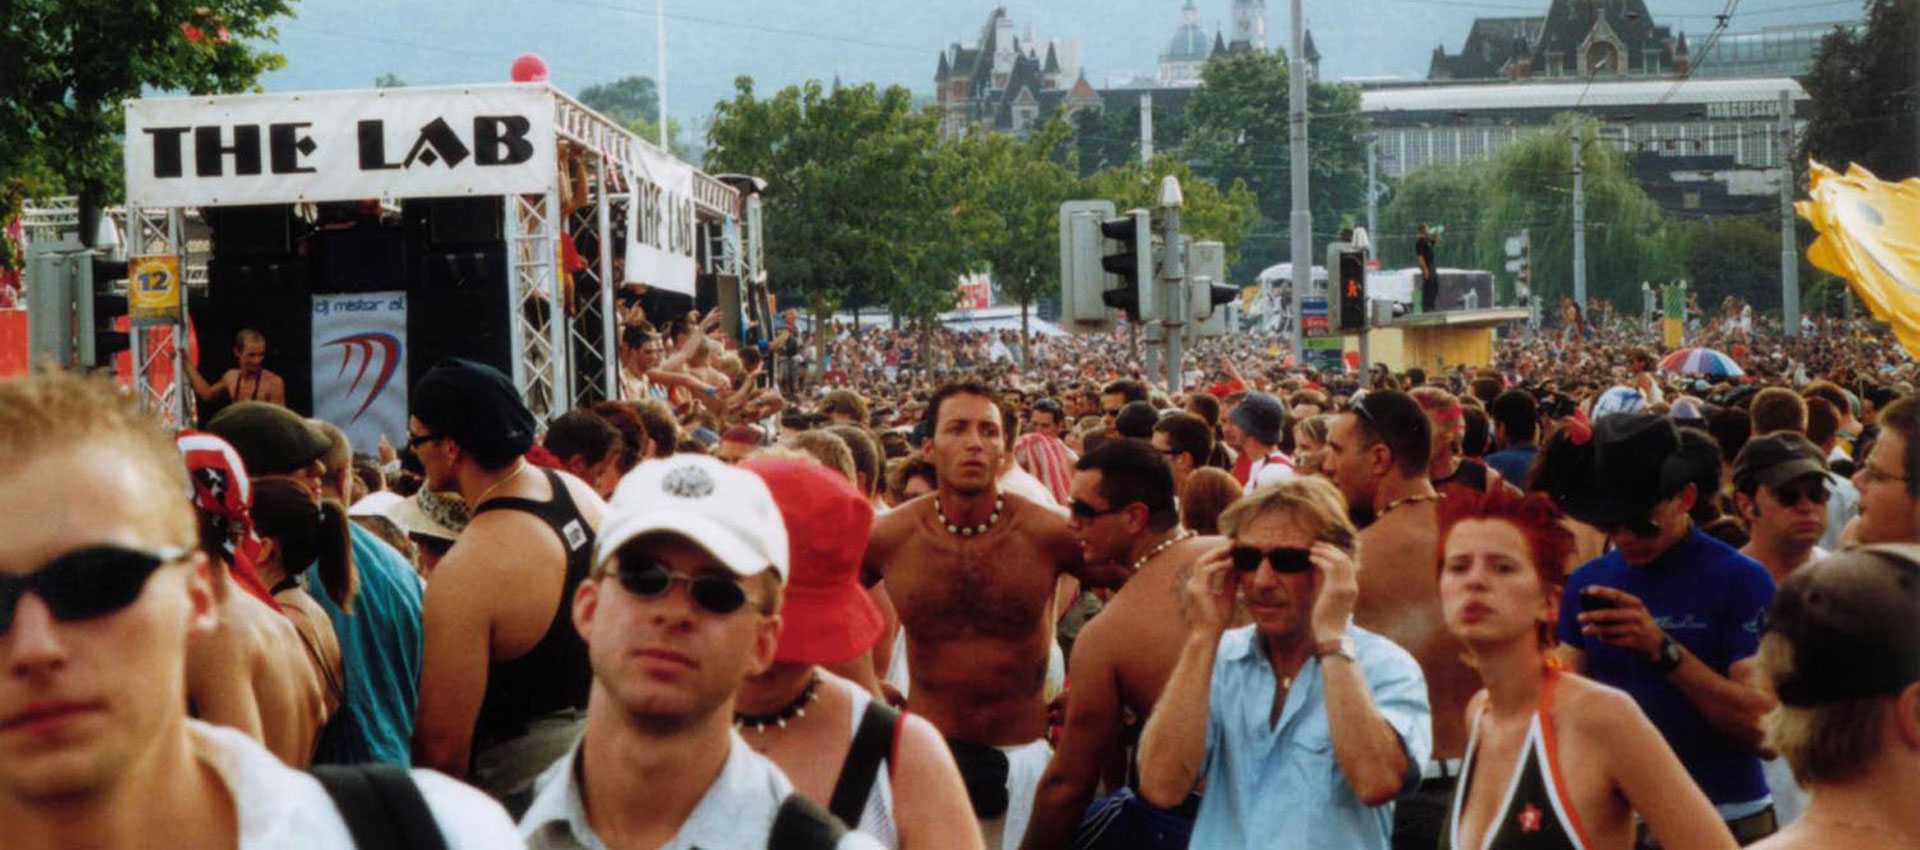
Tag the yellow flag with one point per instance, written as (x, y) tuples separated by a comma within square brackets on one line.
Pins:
[(1869, 233)]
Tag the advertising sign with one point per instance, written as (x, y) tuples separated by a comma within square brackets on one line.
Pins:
[(340, 146), (360, 365), (1313, 317), (153, 288)]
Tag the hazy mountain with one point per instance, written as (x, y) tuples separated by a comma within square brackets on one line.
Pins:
[(346, 43)]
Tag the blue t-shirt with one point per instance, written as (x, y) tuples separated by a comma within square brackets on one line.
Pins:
[(1709, 598), (380, 650), (1513, 463)]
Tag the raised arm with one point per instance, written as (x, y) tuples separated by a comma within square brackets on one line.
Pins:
[(1367, 747), (1173, 747), (1092, 731)]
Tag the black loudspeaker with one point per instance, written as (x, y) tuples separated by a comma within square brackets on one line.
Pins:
[(252, 232), (457, 221), (722, 291), (459, 309), (363, 258)]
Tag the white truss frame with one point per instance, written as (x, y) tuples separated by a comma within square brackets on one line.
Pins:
[(159, 232)]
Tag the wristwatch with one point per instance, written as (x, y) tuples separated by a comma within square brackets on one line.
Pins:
[(1341, 646), (1666, 659)]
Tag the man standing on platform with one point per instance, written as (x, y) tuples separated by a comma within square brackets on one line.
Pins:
[(1423, 245)]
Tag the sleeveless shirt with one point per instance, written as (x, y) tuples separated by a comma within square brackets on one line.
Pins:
[(1534, 812), (555, 674)]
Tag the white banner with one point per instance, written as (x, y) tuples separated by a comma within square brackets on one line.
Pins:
[(360, 366), (340, 146), (660, 223)]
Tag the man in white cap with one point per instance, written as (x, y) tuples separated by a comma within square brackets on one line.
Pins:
[(660, 764)]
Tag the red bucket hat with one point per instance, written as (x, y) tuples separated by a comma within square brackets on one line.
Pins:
[(826, 617)]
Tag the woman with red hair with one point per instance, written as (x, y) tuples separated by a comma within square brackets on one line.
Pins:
[(1554, 760)]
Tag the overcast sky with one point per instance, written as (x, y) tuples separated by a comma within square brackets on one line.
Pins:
[(346, 43)]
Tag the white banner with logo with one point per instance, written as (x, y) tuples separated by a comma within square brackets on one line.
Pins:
[(340, 146), (360, 366), (660, 223)]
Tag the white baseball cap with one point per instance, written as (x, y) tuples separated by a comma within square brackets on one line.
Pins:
[(725, 510)]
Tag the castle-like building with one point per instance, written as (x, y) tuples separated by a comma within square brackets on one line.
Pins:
[(1008, 82), (1574, 39)]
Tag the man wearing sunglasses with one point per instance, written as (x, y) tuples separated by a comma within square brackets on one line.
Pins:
[(1671, 615), (101, 592), (1305, 728), (682, 605), (1123, 513), (1780, 489)]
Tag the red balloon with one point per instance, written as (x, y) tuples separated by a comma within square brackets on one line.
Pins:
[(528, 68)]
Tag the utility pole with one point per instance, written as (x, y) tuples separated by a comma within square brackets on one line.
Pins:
[(660, 67), (1146, 126), (1373, 193), (1302, 220), (1789, 255), (1579, 225), (1173, 273)]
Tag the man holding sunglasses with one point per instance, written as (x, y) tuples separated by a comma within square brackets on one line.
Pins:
[(1305, 727), (102, 589), (1780, 489), (682, 605), (1671, 616)]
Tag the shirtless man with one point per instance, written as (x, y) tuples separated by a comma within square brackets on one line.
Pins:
[(249, 380), (1123, 513), (1377, 454), (971, 571)]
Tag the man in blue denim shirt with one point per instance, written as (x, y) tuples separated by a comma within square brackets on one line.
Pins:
[(1304, 727)]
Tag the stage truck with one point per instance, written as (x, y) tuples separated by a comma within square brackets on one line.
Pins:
[(368, 234)]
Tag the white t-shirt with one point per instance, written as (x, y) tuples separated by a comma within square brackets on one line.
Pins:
[(279, 808), (1272, 469)]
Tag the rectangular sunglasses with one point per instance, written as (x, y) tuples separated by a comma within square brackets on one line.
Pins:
[(1285, 559), (85, 583), (651, 580)]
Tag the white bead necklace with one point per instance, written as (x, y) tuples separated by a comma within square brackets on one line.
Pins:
[(970, 531), (1178, 536)]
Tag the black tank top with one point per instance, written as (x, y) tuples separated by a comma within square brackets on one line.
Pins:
[(1470, 475), (1536, 814), (555, 674)]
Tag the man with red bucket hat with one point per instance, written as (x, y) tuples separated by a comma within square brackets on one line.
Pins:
[(883, 773)]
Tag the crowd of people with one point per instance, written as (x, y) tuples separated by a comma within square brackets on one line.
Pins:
[(871, 587)]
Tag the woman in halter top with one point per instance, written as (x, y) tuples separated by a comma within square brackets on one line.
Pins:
[(1556, 761)]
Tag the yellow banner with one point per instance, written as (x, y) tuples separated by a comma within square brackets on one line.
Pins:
[(153, 288), (1869, 233)]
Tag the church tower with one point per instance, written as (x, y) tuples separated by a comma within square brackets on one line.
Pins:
[(1249, 25)]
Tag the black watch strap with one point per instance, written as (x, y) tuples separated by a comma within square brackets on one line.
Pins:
[(1668, 658)]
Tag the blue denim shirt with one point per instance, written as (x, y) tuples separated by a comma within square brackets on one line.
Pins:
[(1280, 786)]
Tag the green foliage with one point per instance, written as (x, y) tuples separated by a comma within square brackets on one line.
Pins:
[(1529, 185), (1237, 131), (66, 66), (1734, 256), (860, 198), (1207, 213), (624, 99), (389, 80), (1865, 92)]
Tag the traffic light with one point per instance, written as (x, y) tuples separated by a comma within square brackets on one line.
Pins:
[(103, 301), (1132, 288), (1083, 283), (1208, 289), (1347, 266)]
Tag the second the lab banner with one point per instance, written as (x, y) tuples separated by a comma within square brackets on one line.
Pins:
[(360, 366)]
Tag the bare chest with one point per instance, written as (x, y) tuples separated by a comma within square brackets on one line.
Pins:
[(951, 588)]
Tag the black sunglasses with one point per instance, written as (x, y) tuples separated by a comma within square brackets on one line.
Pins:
[(1813, 489), (415, 441), (1083, 510), (1641, 527), (85, 583), (651, 580), (1285, 559)]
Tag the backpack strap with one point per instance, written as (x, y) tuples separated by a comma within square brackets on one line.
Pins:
[(382, 807), (872, 744), (802, 825)]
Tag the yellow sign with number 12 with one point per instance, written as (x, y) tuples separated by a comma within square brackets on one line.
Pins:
[(153, 288)]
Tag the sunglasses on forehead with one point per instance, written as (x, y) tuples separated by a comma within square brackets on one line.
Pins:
[(649, 579), (85, 583), (1284, 559)]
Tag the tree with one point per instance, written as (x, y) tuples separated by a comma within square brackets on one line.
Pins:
[(859, 199), (389, 80), (1208, 213), (1448, 195), (1237, 130), (1865, 95), (66, 66), (624, 99), (1012, 211)]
